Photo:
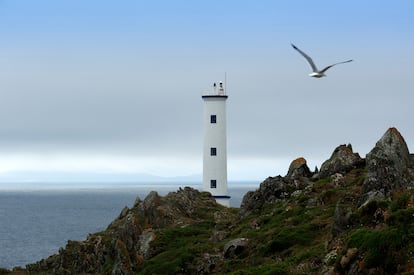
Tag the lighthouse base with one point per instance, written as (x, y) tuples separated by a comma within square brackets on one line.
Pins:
[(223, 200)]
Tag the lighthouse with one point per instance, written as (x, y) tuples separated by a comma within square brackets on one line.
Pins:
[(215, 145)]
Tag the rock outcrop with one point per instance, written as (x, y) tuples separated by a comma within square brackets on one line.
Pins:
[(271, 190), (298, 170), (389, 167), (274, 189), (342, 160)]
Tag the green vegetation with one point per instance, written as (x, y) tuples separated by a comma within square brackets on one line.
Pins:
[(385, 235), (379, 246), (177, 247)]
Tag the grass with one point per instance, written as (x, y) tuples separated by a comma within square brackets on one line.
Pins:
[(400, 202), (177, 247), (379, 246), (168, 262), (384, 243)]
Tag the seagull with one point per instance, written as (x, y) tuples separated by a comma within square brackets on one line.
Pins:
[(315, 72)]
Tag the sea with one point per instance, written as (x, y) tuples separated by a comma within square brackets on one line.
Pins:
[(36, 221)]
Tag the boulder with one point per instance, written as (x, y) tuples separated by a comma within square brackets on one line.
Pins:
[(299, 174), (342, 160), (389, 167), (235, 247), (298, 169)]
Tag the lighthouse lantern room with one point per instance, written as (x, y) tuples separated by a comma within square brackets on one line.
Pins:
[(215, 145)]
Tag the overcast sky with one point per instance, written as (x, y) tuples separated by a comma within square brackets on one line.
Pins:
[(115, 86)]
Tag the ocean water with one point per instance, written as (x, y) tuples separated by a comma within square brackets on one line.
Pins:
[(35, 223)]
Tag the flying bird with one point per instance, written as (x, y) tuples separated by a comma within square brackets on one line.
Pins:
[(315, 72)]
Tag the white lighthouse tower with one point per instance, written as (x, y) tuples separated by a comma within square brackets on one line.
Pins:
[(215, 145)]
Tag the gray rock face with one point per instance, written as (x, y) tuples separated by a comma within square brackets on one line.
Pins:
[(389, 167), (298, 173), (146, 237), (271, 190), (342, 160), (341, 219), (298, 169), (274, 189)]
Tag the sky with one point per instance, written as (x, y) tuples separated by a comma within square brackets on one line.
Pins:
[(112, 89)]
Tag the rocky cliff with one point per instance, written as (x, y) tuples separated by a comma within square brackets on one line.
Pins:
[(140, 234), (354, 216)]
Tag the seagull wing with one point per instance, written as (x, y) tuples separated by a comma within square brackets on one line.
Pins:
[(328, 67), (307, 58)]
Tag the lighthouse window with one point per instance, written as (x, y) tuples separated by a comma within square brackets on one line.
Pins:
[(213, 183), (213, 151), (213, 119)]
